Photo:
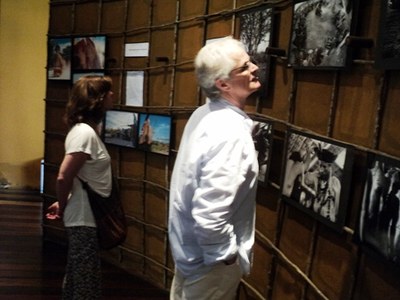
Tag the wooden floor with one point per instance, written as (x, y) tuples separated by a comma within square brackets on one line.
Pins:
[(30, 269)]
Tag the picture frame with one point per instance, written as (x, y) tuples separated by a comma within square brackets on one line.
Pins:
[(387, 50), (378, 229), (154, 133), (120, 128), (89, 52), (317, 177), (255, 32), (262, 134), (59, 56), (77, 75), (319, 32)]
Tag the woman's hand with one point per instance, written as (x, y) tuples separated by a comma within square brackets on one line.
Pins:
[(53, 211)]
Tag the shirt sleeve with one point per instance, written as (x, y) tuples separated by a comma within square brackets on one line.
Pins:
[(81, 139), (223, 171)]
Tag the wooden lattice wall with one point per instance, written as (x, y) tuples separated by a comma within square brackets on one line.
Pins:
[(296, 257)]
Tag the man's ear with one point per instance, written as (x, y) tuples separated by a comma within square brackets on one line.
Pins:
[(222, 85)]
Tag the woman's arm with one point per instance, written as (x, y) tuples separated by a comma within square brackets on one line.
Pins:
[(69, 168)]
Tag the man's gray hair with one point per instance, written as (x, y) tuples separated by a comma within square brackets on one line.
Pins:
[(215, 61)]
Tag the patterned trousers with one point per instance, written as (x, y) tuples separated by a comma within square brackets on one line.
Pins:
[(82, 279)]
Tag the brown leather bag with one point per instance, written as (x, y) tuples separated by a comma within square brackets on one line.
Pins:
[(109, 215)]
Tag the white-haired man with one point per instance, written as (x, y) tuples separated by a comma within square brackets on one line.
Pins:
[(214, 181)]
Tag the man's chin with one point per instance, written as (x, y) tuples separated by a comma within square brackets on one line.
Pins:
[(255, 85)]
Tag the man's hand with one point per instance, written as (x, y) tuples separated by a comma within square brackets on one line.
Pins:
[(230, 261)]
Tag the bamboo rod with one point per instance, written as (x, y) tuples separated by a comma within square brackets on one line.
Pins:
[(292, 98), (290, 264), (333, 104), (380, 108), (311, 255)]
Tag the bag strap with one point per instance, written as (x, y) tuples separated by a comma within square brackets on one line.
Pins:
[(85, 185), (114, 186)]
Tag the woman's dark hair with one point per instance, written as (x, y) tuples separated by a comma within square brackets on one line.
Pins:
[(86, 101)]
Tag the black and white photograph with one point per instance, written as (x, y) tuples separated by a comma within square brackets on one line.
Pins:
[(319, 32), (317, 176), (262, 137), (255, 33), (154, 133), (59, 59), (388, 46), (120, 128), (379, 224), (89, 52)]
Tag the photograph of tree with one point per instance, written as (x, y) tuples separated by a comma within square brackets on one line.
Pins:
[(120, 128), (317, 176), (59, 59), (319, 32), (255, 33), (379, 223), (388, 48)]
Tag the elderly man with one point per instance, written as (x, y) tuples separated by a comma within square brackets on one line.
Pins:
[(214, 181)]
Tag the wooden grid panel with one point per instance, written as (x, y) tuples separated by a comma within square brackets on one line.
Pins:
[(292, 251)]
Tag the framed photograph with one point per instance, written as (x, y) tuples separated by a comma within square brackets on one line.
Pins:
[(154, 133), (76, 76), (262, 137), (379, 223), (59, 58), (319, 32), (317, 177), (255, 31), (388, 51), (89, 52), (120, 128)]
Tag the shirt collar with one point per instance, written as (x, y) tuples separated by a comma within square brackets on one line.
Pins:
[(226, 103)]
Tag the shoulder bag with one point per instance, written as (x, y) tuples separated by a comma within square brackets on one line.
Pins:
[(109, 215)]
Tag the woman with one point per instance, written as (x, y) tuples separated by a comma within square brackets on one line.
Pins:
[(85, 158)]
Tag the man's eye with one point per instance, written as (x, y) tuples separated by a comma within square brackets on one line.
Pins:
[(244, 67)]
